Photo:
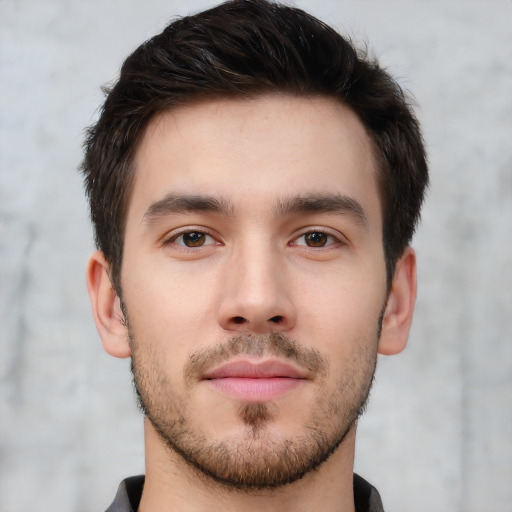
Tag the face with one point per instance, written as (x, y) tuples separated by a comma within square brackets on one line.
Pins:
[(253, 283)]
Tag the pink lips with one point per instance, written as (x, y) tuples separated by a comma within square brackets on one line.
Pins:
[(255, 381)]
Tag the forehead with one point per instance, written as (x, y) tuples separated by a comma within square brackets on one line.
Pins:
[(255, 151)]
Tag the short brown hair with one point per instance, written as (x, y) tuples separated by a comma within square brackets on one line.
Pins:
[(244, 48)]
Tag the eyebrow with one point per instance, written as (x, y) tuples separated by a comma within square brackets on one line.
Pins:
[(310, 203), (181, 203), (323, 203)]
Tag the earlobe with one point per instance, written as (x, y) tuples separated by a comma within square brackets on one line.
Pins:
[(106, 307), (400, 306)]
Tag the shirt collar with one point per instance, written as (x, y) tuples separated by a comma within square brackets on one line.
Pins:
[(366, 497)]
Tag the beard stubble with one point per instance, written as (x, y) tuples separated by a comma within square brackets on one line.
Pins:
[(253, 459)]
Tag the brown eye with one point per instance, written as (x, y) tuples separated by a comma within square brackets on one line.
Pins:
[(194, 239), (316, 239), (190, 240)]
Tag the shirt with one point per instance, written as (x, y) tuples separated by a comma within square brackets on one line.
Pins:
[(366, 497)]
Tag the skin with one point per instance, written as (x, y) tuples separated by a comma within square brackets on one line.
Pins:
[(316, 277)]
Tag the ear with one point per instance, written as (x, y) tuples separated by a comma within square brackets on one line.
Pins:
[(400, 306), (106, 307)]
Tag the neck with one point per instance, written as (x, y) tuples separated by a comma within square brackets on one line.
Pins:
[(172, 484)]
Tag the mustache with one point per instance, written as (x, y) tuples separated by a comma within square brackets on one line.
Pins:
[(275, 344)]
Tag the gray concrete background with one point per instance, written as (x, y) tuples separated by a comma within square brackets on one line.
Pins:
[(437, 435)]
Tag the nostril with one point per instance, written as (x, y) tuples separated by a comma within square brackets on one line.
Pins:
[(277, 319), (239, 319)]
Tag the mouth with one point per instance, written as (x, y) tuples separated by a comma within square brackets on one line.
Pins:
[(255, 381)]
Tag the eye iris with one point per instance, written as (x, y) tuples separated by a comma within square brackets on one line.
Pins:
[(316, 239), (194, 239)]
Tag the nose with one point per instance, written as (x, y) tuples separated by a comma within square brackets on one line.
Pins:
[(256, 294)]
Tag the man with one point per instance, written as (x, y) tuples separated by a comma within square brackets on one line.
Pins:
[(254, 185)]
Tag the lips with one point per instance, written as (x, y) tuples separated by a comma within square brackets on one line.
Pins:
[(251, 381)]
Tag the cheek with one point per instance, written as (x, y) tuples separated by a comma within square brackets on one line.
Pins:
[(169, 311), (343, 294), (343, 313), (173, 293)]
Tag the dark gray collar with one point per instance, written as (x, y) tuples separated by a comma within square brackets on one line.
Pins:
[(128, 495), (366, 497)]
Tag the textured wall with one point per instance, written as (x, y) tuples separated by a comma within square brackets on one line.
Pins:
[(437, 435)]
